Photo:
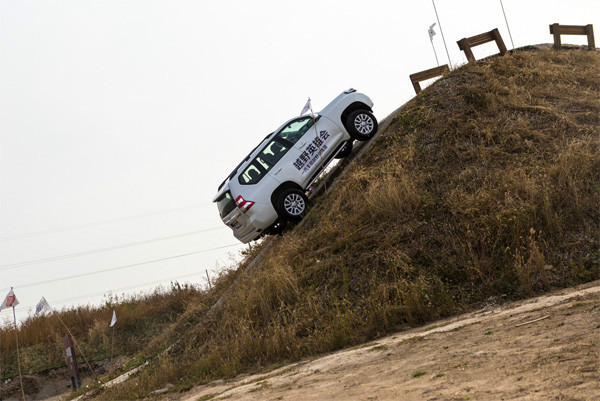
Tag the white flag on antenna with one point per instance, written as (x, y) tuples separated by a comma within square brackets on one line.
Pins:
[(42, 307), (307, 107), (431, 31), (10, 300), (114, 319)]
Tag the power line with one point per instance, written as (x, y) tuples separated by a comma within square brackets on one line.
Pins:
[(97, 223), (120, 267), (111, 248), (62, 301)]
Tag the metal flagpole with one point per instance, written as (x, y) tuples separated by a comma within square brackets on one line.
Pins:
[(442, 31), (434, 52), (318, 142), (18, 356), (208, 278), (509, 34), (112, 348)]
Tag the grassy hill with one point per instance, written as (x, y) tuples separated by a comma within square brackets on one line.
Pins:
[(483, 188)]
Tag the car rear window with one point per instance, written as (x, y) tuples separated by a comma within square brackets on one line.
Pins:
[(225, 204)]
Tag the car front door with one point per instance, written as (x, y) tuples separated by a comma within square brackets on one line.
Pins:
[(313, 141)]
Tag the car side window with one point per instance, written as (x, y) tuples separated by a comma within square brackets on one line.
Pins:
[(262, 163), (296, 129), (273, 152)]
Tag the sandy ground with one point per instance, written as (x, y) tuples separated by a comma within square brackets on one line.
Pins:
[(540, 349), (545, 348)]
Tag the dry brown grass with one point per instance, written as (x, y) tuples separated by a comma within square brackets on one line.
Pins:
[(486, 185), (140, 318)]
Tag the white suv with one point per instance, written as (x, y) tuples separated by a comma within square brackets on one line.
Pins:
[(268, 188)]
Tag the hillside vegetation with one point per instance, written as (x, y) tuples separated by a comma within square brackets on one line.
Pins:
[(483, 188), (140, 318)]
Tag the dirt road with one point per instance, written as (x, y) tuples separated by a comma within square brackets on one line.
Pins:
[(540, 349)]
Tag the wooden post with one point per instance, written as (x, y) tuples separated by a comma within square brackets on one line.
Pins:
[(77, 344), (554, 29), (72, 366), (589, 30), (417, 87), (499, 41), (464, 46)]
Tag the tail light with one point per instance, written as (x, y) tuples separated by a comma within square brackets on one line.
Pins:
[(244, 205)]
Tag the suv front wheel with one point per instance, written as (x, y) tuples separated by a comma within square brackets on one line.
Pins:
[(361, 125), (291, 204)]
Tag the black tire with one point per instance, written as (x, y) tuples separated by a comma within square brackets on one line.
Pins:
[(291, 204), (361, 125), (346, 150)]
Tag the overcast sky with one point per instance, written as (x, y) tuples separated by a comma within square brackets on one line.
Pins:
[(119, 118)]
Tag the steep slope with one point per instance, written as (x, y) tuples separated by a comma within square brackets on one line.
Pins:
[(485, 185)]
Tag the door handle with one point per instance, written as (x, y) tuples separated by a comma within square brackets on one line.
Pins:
[(278, 171)]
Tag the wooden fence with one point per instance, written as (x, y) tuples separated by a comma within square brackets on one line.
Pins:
[(557, 30), (427, 74), (466, 44)]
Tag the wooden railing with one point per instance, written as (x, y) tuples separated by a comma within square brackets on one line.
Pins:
[(466, 44), (557, 30), (427, 74)]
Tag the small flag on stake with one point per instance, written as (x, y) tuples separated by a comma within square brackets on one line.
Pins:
[(114, 319), (306, 108), (10, 301), (42, 307), (431, 31)]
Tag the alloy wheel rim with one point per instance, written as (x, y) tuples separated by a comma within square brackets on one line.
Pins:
[(363, 123), (294, 204)]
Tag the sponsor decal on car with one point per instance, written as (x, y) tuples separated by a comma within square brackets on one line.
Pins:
[(312, 153)]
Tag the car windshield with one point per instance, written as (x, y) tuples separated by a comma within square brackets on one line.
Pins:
[(225, 204)]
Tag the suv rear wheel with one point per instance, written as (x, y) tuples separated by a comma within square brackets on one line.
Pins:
[(291, 204), (361, 125)]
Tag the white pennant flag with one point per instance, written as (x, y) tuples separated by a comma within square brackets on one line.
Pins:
[(307, 107), (431, 31), (42, 307), (10, 301), (114, 319)]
